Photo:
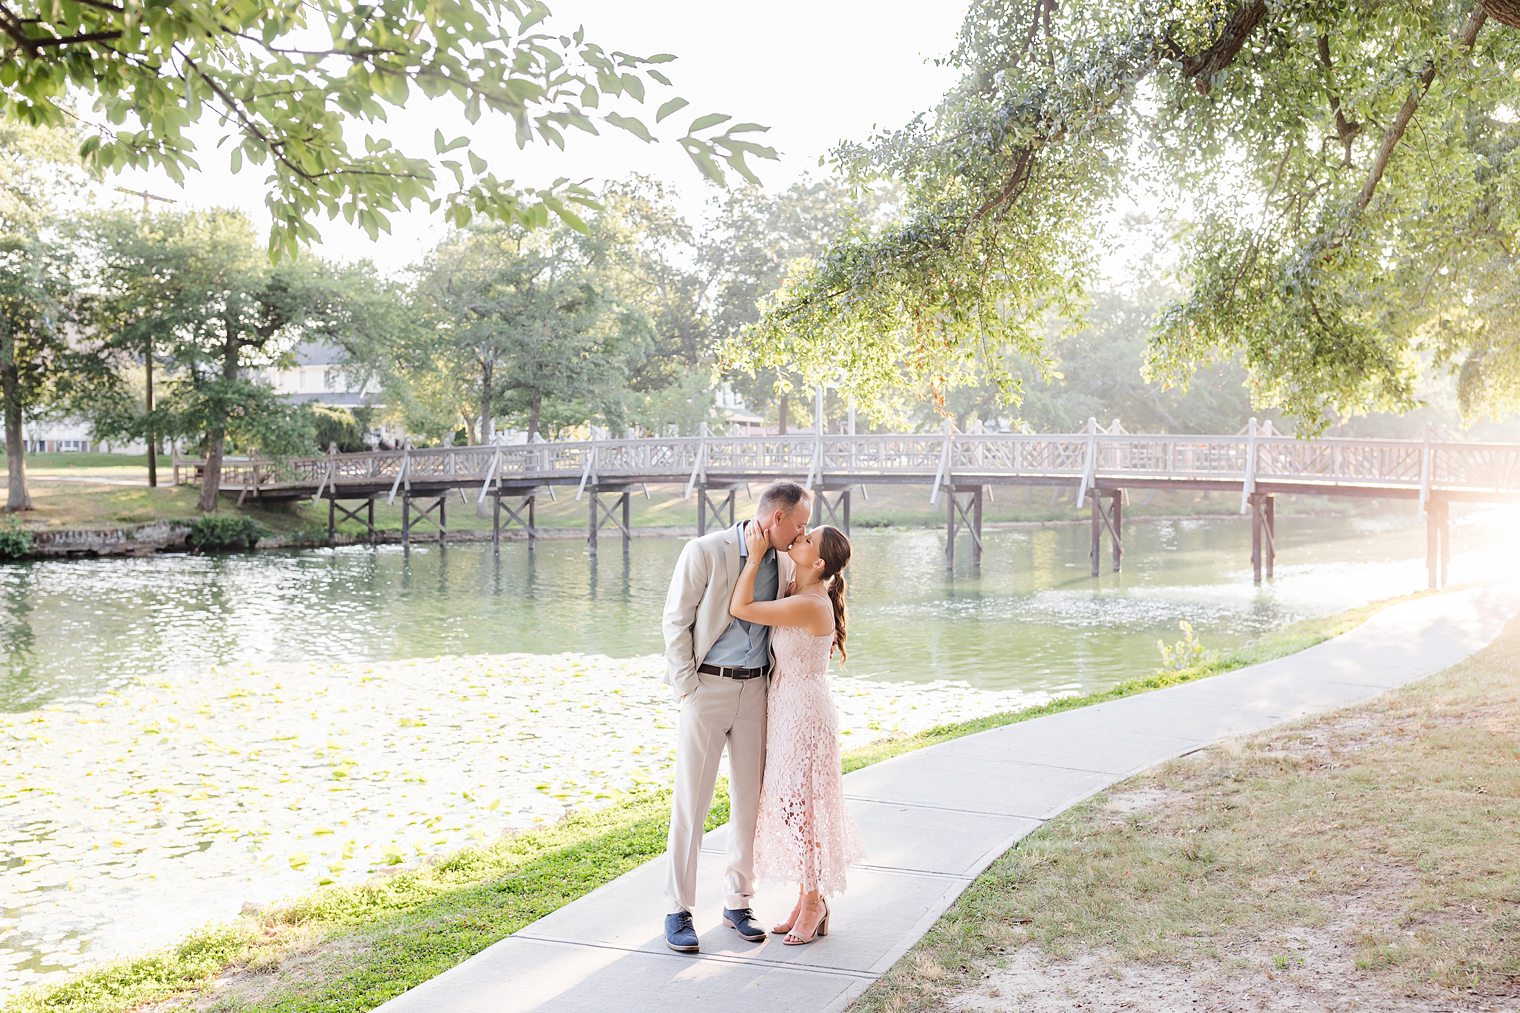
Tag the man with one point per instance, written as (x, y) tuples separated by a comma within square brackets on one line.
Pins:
[(717, 667)]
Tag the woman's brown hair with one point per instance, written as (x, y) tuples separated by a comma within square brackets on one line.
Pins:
[(834, 550)]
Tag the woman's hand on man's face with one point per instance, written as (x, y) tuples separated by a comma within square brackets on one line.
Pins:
[(756, 540)]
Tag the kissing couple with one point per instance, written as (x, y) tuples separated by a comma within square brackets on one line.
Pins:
[(753, 615)]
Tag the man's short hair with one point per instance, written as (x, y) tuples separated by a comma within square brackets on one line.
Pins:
[(783, 496)]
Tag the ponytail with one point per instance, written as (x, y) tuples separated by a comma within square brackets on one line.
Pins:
[(834, 550), (836, 596)]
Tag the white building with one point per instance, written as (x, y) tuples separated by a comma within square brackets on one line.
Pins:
[(320, 377), (70, 436)]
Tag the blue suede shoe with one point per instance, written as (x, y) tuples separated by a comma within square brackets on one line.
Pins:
[(680, 935), (742, 921)]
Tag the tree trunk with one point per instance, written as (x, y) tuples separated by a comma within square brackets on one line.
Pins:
[(487, 423), (211, 477), (15, 454), (784, 409), (152, 440), (216, 434), (537, 411)]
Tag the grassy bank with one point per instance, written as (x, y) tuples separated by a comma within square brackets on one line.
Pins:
[(351, 948), (1358, 860)]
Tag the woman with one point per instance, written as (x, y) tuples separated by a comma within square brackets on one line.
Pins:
[(804, 832)]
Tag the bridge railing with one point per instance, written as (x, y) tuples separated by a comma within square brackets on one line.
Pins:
[(1419, 464)]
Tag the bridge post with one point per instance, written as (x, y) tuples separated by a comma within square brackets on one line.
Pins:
[(1111, 518), (1263, 535), (1437, 540), (963, 510), (601, 513), (334, 508), (950, 529), (834, 511), (712, 510), (1095, 500), (1116, 512), (592, 521), (1269, 519), (523, 514), (440, 503)]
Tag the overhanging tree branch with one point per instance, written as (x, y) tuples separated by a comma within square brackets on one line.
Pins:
[(1400, 123)]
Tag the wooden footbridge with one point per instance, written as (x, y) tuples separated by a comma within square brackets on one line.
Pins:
[(1099, 465)]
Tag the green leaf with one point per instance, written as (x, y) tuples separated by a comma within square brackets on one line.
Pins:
[(631, 124), (672, 106), (704, 122)]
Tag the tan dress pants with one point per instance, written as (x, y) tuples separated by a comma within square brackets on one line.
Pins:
[(720, 712)]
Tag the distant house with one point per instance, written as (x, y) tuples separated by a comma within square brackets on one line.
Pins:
[(320, 376), (736, 414), (70, 436)]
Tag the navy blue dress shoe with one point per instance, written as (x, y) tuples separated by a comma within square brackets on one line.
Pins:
[(742, 921), (679, 933)]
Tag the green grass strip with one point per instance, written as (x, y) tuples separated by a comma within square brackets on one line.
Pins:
[(359, 946)]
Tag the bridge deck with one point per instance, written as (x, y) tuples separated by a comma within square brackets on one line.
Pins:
[(1092, 460)]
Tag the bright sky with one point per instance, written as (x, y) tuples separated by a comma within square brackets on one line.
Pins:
[(816, 73)]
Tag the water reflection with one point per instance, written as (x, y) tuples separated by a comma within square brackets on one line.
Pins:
[(1030, 616)]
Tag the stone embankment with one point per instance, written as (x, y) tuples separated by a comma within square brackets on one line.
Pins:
[(139, 540)]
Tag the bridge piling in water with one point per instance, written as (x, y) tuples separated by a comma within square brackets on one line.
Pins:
[(712, 511), (963, 512), (424, 515), (835, 511), (1108, 518), (523, 514), (1437, 540), (602, 513), (1263, 534), (334, 508)]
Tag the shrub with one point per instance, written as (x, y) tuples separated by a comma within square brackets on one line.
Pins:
[(15, 541), (224, 531), (1186, 653)]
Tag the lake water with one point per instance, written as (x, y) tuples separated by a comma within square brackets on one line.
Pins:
[(180, 735)]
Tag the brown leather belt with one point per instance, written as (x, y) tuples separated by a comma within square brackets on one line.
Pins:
[(732, 673)]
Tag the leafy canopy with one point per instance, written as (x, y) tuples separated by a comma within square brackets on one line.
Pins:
[(286, 81), (1344, 176)]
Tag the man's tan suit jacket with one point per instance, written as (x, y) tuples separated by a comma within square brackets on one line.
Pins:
[(696, 608)]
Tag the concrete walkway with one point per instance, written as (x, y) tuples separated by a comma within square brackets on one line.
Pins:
[(932, 820)]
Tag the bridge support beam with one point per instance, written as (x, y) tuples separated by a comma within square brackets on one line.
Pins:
[(1263, 534), (1437, 540), (712, 509), (834, 511), (426, 514), (1108, 518), (963, 511), (521, 512), (334, 508), (604, 512)]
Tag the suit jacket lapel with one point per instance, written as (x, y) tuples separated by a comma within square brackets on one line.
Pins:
[(730, 560)]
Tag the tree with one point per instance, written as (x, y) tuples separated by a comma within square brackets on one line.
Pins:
[(1095, 370), (283, 83), (520, 327), (1346, 173), (43, 369), (218, 312)]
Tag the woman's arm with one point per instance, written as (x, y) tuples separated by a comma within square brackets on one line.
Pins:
[(809, 611)]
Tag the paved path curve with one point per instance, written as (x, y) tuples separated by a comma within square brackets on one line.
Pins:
[(932, 821)]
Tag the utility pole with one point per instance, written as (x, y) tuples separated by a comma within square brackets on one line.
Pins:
[(152, 437)]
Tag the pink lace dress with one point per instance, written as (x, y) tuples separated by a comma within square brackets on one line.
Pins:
[(804, 832)]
